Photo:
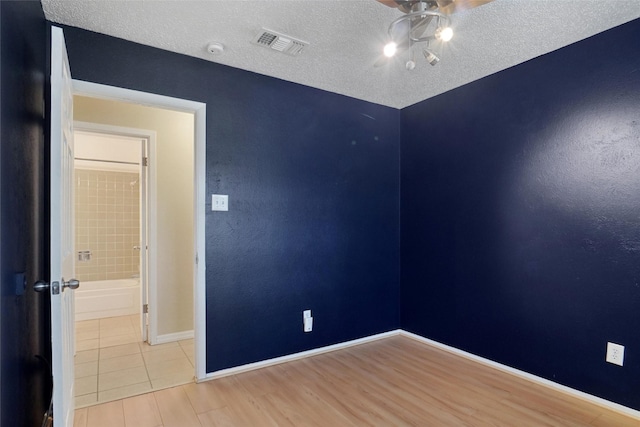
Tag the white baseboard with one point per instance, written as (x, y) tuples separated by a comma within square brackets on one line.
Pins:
[(176, 336), (504, 368), (527, 376), (270, 362)]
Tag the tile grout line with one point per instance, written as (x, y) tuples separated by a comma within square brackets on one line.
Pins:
[(144, 361), (185, 354), (130, 323)]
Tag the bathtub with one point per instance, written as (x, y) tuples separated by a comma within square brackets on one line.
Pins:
[(107, 298)]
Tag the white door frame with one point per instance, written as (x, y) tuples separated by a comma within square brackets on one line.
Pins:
[(149, 259), (198, 109)]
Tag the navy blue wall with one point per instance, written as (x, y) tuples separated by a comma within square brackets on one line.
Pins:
[(313, 184), (25, 346), (520, 215)]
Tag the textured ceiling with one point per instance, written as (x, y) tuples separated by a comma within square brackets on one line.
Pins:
[(346, 38)]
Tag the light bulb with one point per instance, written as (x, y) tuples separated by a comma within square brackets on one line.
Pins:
[(431, 57), (390, 49), (444, 34)]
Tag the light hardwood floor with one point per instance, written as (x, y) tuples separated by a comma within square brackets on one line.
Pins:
[(391, 382)]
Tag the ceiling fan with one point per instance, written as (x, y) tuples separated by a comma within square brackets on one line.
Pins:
[(424, 21)]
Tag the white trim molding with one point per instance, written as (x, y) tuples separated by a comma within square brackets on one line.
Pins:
[(316, 351), (176, 336)]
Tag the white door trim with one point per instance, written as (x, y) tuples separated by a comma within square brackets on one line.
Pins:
[(96, 90)]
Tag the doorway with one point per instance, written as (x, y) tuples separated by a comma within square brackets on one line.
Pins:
[(111, 226), (171, 329)]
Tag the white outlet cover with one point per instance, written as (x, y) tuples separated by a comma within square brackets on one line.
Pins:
[(615, 353), (308, 324)]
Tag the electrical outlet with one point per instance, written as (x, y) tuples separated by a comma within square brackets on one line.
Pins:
[(615, 353), (307, 321), (308, 324)]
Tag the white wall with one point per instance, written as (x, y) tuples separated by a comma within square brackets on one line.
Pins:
[(112, 148), (174, 157)]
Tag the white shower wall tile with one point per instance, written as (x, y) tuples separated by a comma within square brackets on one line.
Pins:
[(107, 224)]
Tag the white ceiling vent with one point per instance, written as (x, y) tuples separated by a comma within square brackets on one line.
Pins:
[(280, 42)]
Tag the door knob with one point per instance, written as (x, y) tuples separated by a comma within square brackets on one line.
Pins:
[(71, 284), (41, 286)]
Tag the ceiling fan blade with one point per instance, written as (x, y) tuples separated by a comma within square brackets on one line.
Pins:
[(390, 3), (452, 6), (403, 5), (445, 6)]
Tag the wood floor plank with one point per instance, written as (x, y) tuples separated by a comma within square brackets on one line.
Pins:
[(261, 381), (414, 409), (175, 408), (246, 409), (141, 411), (351, 407), (80, 418), (220, 417), (609, 418), (106, 415), (206, 396), (304, 397), (284, 411), (364, 392), (516, 392), (396, 381)]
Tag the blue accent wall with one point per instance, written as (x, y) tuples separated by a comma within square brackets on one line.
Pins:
[(520, 232), (25, 337), (520, 212), (313, 184)]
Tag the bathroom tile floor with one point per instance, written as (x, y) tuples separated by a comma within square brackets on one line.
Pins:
[(112, 362)]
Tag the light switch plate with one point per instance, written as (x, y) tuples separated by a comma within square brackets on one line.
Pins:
[(219, 202)]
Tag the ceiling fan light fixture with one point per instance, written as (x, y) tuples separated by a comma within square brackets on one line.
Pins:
[(444, 34), (422, 24), (431, 57), (390, 49)]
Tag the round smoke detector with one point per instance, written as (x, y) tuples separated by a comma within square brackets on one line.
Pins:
[(215, 48)]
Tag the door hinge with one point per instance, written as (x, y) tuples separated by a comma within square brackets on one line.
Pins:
[(145, 161), (145, 308)]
